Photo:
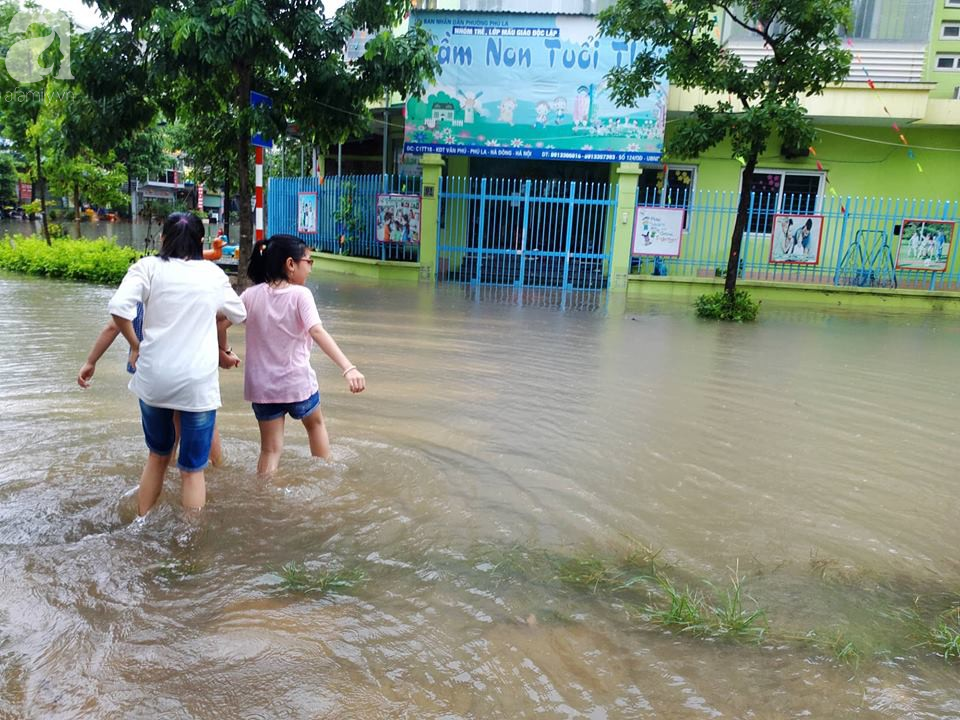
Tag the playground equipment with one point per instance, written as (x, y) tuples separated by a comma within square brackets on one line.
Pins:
[(215, 252), (860, 267)]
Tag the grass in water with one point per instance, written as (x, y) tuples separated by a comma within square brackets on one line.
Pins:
[(944, 637), (684, 610), (176, 569), (730, 618), (296, 578)]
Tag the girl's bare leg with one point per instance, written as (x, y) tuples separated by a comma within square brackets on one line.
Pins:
[(317, 432), (216, 448), (271, 445), (194, 491), (151, 482)]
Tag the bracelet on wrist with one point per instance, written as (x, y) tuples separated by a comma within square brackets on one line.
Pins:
[(227, 350), (352, 367)]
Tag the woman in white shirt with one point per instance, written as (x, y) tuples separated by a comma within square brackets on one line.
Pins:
[(177, 360)]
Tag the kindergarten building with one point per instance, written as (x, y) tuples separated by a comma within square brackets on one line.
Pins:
[(533, 176)]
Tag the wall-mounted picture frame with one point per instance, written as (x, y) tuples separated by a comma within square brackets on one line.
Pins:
[(657, 231), (398, 218), (796, 239), (306, 212), (925, 244)]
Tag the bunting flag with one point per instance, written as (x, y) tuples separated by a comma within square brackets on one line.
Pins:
[(870, 83)]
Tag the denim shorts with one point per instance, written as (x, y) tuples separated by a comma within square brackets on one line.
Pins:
[(196, 434), (298, 410)]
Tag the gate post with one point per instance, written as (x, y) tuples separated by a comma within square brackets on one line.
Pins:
[(432, 165), (623, 224)]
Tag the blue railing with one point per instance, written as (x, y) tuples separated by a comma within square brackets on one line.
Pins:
[(859, 244), (335, 194), (525, 233)]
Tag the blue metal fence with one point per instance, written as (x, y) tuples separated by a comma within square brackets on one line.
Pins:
[(525, 233), (859, 243), (337, 195)]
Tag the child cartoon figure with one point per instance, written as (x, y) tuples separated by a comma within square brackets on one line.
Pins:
[(543, 112), (507, 106), (581, 107), (282, 324), (559, 107)]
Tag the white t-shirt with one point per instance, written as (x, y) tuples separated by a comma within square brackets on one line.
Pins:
[(178, 362)]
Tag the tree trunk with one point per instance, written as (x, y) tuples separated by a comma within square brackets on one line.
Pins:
[(41, 191), (245, 244), (225, 209), (76, 200), (739, 227)]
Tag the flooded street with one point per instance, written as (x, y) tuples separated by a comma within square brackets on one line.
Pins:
[(812, 455)]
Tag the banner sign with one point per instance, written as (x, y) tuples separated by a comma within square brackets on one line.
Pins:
[(398, 218), (530, 86)]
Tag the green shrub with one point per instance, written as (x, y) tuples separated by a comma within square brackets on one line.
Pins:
[(92, 260), (720, 306)]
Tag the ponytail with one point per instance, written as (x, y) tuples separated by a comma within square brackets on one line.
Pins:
[(269, 257)]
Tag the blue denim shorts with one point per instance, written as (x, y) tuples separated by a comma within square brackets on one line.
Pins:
[(298, 410), (196, 434)]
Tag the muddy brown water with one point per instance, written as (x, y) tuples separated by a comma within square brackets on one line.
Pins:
[(814, 453)]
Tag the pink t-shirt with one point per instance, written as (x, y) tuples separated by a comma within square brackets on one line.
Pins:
[(277, 368)]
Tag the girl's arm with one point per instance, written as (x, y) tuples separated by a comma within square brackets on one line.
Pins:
[(104, 340), (129, 334), (228, 358), (354, 377)]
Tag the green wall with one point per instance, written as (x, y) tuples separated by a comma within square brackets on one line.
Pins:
[(875, 164)]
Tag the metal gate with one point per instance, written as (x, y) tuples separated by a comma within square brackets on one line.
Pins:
[(525, 233)]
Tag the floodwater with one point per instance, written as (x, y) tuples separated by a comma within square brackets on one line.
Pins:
[(811, 454)]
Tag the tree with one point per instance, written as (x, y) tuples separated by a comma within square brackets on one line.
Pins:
[(804, 55), (208, 55)]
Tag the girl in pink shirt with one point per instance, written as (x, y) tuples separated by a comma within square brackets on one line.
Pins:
[(282, 325)]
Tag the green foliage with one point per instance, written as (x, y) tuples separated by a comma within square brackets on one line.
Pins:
[(349, 216), (738, 307), (296, 578), (96, 261), (944, 637), (691, 612)]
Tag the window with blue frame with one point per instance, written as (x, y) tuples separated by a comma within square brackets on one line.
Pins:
[(782, 191)]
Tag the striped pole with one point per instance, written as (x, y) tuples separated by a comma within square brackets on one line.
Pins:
[(258, 159)]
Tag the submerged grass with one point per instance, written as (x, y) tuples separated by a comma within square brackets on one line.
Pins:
[(944, 637), (297, 578)]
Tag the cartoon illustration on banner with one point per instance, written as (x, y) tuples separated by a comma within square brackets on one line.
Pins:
[(398, 218), (530, 86), (657, 231)]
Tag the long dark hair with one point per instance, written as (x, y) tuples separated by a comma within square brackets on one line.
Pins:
[(182, 237), (269, 258)]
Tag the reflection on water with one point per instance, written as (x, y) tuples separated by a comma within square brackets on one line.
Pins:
[(812, 451)]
